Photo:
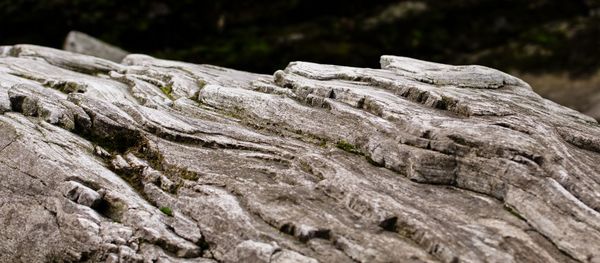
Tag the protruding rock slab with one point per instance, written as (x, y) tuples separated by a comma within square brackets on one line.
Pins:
[(82, 43), (155, 160)]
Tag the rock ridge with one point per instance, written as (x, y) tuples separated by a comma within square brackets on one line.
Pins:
[(150, 160)]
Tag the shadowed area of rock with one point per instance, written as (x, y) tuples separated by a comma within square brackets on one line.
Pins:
[(153, 160)]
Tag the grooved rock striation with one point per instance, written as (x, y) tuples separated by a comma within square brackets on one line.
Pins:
[(151, 160)]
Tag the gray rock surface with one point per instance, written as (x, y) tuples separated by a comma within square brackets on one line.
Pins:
[(151, 160), (84, 44)]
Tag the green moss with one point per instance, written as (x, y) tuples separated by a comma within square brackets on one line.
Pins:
[(373, 162), (201, 83), (188, 175), (175, 187), (167, 210), (348, 147), (322, 143), (167, 90), (514, 212), (304, 166)]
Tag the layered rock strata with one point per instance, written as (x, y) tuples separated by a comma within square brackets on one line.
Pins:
[(152, 160)]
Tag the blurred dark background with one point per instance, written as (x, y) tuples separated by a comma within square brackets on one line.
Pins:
[(262, 36), (559, 37)]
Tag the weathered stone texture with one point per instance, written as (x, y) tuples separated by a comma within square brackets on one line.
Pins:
[(153, 160), (81, 43)]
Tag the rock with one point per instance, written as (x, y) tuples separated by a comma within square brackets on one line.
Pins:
[(155, 160), (81, 43), (83, 195), (440, 74), (253, 252), (256, 252), (288, 256)]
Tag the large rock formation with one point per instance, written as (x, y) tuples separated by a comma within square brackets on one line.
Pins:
[(162, 161)]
